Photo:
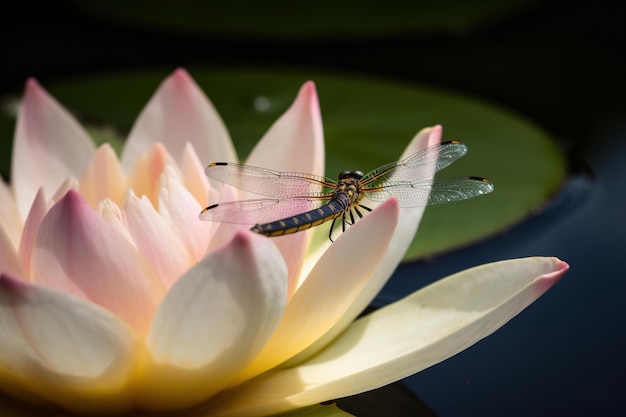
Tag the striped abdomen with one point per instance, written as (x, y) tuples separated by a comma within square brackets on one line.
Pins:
[(335, 208)]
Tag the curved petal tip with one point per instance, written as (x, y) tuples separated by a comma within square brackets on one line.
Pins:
[(181, 73), (309, 89), (544, 282), (32, 85)]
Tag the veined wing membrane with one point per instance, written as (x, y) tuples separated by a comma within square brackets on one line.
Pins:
[(418, 165), (263, 210), (429, 192), (268, 182)]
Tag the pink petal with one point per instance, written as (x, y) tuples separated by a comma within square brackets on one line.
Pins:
[(178, 113), (330, 289), (222, 233), (192, 171), (180, 211), (63, 350), (70, 183), (111, 213), (79, 252), (9, 259), (156, 242), (103, 178), (10, 218), (213, 321), (35, 216), (295, 142), (49, 147)]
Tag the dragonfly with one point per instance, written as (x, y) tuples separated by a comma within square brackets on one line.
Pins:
[(295, 201)]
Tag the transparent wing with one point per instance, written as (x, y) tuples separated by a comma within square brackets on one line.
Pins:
[(263, 210), (418, 165), (270, 183), (429, 192)]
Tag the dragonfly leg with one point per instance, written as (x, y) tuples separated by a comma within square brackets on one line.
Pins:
[(352, 218), (330, 233), (365, 207)]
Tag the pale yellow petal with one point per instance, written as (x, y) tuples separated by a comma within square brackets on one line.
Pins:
[(333, 285), (403, 236), (145, 177), (403, 338)]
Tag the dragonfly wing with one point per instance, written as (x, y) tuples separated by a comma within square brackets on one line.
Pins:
[(431, 192), (419, 165), (268, 182), (448, 190), (262, 210)]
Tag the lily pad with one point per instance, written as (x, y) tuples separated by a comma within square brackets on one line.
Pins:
[(320, 19), (367, 123)]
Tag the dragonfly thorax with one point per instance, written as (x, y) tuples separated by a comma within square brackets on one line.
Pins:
[(349, 192), (357, 175)]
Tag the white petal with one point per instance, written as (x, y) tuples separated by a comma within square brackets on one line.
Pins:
[(49, 147), (330, 289), (178, 113), (180, 211), (403, 338), (402, 238), (63, 349), (155, 241), (213, 321)]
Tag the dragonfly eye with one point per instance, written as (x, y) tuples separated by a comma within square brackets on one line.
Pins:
[(350, 174)]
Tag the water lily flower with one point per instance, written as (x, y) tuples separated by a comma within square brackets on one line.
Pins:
[(115, 298)]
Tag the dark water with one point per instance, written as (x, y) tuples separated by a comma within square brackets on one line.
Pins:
[(565, 354)]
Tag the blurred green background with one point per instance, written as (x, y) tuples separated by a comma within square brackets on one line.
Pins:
[(359, 56)]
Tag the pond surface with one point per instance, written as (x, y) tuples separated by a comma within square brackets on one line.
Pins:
[(563, 355)]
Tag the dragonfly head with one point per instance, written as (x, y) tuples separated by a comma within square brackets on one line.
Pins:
[(357, 175)]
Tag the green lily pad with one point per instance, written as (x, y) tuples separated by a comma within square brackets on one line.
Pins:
[(319, 19), (367, 123)]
